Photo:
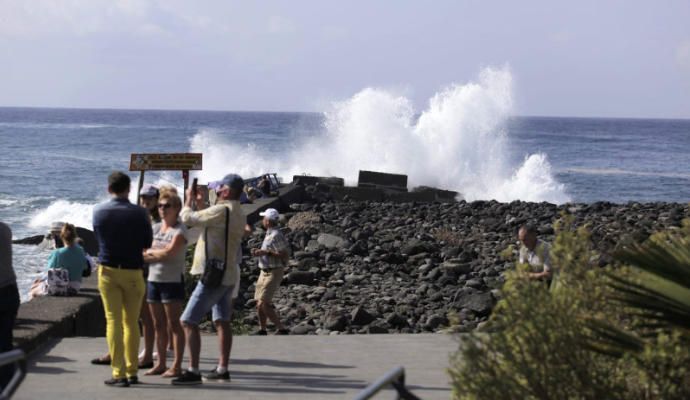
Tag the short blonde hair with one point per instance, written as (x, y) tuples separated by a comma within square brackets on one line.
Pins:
[(167, 188)]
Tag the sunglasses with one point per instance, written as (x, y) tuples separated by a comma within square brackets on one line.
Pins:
[(164, 205)]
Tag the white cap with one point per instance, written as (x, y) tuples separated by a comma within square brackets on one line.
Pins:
[(270, 213)]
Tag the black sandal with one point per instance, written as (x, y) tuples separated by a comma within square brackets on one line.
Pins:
[(101, 361)]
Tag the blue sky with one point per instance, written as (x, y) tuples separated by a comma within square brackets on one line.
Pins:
[(585, 58)]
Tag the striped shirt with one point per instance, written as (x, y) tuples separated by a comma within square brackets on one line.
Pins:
[(274, 241)]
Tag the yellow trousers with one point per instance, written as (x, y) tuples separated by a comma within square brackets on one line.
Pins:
[(122, 291)]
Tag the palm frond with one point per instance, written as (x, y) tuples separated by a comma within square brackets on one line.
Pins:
[(668, 259), (609, 340)]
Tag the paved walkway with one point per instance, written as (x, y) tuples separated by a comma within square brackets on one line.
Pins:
[(272, 367)]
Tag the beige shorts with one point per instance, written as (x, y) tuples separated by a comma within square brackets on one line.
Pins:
[(267, 285)]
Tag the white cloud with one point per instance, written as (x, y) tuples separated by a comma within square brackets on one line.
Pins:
[(45, 18)]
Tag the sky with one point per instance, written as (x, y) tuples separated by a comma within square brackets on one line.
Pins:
[(578, 58)]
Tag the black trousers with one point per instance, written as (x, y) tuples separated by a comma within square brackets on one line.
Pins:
[(9, 304)]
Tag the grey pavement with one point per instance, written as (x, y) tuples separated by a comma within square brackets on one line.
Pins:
[(271, 367)]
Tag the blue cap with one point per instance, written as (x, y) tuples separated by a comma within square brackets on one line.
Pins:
[(233, 181)]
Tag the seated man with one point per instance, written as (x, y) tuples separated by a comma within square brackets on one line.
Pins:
[(535, 253)]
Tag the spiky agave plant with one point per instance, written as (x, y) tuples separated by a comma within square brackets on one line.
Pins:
[(655, 294)]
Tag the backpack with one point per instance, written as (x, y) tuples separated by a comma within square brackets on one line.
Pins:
[(57, 283)]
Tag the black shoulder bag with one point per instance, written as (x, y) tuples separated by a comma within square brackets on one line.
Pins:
[(214, 269)]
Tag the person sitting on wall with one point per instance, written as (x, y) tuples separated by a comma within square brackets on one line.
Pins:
[(71, 259)]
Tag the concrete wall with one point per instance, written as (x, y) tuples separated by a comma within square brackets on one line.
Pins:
[(49, 317)]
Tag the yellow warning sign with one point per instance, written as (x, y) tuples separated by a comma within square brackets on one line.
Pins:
[(165, 161)]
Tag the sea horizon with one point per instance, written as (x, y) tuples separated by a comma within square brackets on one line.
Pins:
[(126, 109)]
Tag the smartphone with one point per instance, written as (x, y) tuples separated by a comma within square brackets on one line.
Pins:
[(194, 184)]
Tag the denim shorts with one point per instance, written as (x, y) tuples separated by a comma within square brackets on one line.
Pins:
[(205, 299), (164, 292)]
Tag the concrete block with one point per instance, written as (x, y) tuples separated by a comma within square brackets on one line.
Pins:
[(380, 179), (306, 180)]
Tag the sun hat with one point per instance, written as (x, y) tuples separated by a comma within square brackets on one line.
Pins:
[(270, 213)]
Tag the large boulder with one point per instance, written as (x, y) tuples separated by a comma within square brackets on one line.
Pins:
[(471, 299), (332, 241)]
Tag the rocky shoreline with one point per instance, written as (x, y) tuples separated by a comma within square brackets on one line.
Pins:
[(384, 267)]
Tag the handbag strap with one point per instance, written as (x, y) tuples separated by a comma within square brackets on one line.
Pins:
[(227, 222)]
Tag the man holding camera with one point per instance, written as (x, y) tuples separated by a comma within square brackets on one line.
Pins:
[(214, 259)]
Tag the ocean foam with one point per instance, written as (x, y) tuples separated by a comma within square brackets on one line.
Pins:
[(459, 142), (616, 171), (79, 214), (8, 202)]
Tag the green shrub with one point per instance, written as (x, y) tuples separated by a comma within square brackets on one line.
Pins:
[(542, 343)]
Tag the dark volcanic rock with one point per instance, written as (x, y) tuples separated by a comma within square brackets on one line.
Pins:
[(332, 241), (416, 246), (402, 267), (361, 317), (397, 320), (303, 329), (300, 277), (336, 323), (435, 321), (476, 301)]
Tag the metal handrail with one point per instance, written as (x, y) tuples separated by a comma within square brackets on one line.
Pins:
[(395, 378), (17, 357)]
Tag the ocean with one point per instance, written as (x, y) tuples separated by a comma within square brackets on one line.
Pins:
[(54, 162)]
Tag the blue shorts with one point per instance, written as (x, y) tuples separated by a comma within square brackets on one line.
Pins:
[(164, 292), (204, 299)]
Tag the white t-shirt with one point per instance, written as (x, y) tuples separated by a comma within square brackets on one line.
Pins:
[(538, 259), (172, 269)]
